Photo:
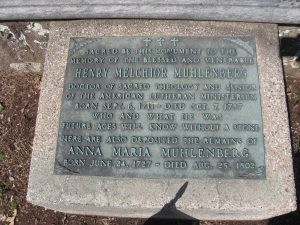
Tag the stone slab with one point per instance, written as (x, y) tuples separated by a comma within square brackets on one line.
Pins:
[(272, 11), (205, 198)]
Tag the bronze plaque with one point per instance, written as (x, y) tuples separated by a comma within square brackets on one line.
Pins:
[(161, 107)]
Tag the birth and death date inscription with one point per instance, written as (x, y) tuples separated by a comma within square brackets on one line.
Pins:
[(161, 107)]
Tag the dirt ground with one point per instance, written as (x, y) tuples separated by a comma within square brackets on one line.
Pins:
[(22, 51)]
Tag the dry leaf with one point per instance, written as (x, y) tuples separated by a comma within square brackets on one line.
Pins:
[(11, 219)]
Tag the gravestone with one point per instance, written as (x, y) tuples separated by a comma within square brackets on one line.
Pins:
[(132, 109)]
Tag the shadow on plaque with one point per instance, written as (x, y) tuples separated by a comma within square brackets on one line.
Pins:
[(169, 214)]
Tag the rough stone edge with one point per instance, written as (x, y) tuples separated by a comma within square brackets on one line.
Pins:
[(146, 213), (209, 215)]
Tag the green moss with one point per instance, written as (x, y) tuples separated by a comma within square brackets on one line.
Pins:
[(12, 206), (1, 155), (2, 190), (297, 63), (296, 147), (2, 107)]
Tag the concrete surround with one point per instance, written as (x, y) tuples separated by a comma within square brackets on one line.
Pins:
[(205, 199)]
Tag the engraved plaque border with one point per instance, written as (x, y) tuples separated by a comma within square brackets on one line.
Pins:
[(259, 174)]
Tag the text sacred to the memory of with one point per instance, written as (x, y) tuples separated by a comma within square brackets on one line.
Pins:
[(155, 107)]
